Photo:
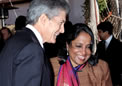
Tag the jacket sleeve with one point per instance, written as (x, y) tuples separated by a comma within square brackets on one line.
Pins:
[(107, 77), (28, 66)]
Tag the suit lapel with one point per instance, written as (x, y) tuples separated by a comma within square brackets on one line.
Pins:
[(111, 44)]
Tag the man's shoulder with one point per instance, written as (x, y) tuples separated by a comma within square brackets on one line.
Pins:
[(116, 42), (22, 36), (19, 40), (102, 65)]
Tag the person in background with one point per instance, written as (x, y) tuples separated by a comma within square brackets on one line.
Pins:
[(6, 33), (20, 22), (81, 67), (23, 61), (109, 49), (1, 42)]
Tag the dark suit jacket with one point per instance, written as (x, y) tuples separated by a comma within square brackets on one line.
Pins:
[(112, 56), (23, 62)]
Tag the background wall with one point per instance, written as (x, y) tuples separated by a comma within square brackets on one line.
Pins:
[(22, 10), (75, 16)]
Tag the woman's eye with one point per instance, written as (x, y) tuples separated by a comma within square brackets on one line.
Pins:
[(78, 46)]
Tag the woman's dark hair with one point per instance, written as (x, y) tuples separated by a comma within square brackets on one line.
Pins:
[(73, 34), (76, 30)]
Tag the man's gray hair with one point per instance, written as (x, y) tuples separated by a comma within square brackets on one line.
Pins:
[(49, 7)]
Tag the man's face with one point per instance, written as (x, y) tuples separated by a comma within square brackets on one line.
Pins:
[(101, 34), (55, 27)]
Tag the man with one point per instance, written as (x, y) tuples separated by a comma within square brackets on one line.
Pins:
[(110, 51), (20, 22), (22, 61)]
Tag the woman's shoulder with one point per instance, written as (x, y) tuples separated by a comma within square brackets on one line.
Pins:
[(55, 63), (103, 65), (102, 62), (54, 60)]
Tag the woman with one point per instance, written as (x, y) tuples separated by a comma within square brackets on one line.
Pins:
[(81, 67)]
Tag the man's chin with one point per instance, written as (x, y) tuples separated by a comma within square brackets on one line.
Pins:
[(52, 41)]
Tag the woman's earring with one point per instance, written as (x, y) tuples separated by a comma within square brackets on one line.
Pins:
[(67, 52)]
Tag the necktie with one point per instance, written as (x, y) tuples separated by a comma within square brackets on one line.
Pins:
[(103, 44)]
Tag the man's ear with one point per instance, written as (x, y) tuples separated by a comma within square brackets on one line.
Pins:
[(43, 19)]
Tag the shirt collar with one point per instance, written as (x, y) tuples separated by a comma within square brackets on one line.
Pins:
[(37, 34), (108, 40)]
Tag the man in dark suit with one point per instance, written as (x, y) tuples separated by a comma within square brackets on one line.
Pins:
[(109, 49), (22, 61)]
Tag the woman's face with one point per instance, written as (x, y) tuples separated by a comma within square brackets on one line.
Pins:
[(79, 49)]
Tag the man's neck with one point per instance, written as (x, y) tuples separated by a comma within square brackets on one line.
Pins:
[(107, 36)]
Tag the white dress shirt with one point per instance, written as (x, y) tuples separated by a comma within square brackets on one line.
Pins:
[(107, 42), (37, 34)]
